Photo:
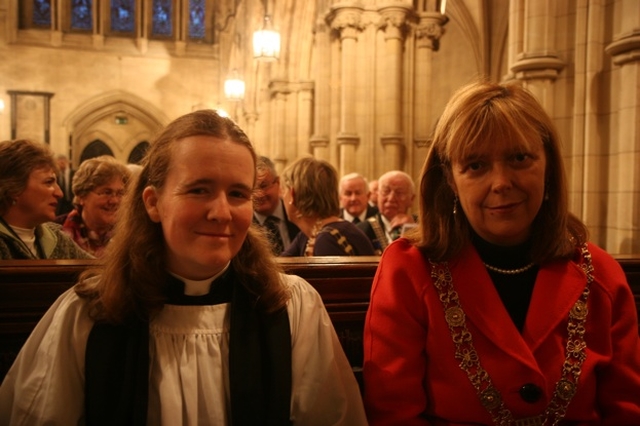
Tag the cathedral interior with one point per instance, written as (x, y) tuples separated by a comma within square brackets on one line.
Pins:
[(359, 83)]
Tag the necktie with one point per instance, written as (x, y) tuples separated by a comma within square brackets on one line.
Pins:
[(395, 233), (271, 223), (356, 220)]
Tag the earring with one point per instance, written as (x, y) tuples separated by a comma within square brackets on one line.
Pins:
[(455, 204), (546, 196)]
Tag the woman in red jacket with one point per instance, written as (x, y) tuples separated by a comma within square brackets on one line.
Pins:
[(497, 310)]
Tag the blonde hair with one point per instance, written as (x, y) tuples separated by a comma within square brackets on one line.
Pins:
[(476, 115), (315, 185), (132, 281)]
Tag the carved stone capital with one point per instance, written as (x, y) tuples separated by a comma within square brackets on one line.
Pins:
[(393, 20), (625, 48), (279, 87), (430, 28), (392, 139), (422, 141), (346, 20), (347, 139), (319, 141), (537, 66)]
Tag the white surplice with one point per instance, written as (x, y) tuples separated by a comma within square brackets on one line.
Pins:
[(189, 380)]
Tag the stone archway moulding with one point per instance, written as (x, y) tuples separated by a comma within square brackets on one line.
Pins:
[(81, 123)]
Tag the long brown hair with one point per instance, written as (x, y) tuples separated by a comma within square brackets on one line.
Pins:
[(132, 279), (477, 114)]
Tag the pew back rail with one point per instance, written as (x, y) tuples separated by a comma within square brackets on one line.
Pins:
[(28, 288)]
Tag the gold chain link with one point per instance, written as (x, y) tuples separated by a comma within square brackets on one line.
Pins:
[(490, 397)]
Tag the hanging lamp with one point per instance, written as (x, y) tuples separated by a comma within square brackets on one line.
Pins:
[(234, 87), (266, 42)]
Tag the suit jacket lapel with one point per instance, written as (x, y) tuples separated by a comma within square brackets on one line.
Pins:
[(558, 285), (557, 288), (484, 310)]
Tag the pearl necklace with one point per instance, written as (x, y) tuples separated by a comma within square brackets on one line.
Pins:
[(509, 271)]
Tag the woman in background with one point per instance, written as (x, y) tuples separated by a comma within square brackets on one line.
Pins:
[(29, 196), (191, 321), (310, 195), (497, 310), (98, 187)]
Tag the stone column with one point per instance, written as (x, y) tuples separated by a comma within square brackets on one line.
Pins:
[(279, 93), (346, 21), (428, 32), (319, 141), (538, 64), (392, 138), (624, 190), (304, 106)]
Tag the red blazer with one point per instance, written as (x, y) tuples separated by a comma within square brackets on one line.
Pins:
[(412, 378)]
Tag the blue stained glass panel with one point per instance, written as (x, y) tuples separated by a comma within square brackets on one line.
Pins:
[(162, 24), (196, 18), (41, 13), (81, 15), (123, 13)]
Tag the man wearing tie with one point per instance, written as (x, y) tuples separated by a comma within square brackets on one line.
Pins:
[(354, 196), (395, 197), (268, 210), (65, 177)]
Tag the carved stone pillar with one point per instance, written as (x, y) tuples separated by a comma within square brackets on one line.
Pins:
[(624, 193), (428, 32), (319, 141), (304, 108), (537, 63), (279, 93), (392, 139), (347, 22)]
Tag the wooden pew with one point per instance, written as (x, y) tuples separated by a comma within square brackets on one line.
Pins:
[(28, 288)]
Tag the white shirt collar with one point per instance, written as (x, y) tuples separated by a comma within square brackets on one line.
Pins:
[(278, 212)]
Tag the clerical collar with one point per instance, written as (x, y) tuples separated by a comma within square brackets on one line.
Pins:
[(199, 287)]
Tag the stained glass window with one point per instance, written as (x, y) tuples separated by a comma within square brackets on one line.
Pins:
[(123, 16), (81, 15), (196, 18), (162, 23), (41, 13)]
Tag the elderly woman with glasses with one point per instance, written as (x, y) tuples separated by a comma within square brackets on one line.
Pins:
[(29, 197), (98, 187)]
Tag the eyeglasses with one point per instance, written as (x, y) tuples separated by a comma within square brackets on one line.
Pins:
[(400, 195), (266, 185), (110, 193)]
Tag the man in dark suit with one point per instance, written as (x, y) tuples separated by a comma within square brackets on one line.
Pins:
[(395, 197), (65, 178), (354, 196), (268, 208)]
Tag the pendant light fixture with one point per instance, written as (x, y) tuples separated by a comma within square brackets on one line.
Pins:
[(266, 41), (234, 87)]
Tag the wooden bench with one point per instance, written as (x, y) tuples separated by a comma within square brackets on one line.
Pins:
[(28, 288)]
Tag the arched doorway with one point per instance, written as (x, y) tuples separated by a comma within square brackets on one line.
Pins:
[(121, 122), (95, 149)]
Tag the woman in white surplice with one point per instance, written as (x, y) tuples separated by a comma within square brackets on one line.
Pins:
[(191, 320)]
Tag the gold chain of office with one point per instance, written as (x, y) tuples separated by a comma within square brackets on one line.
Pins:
[(490, 397)]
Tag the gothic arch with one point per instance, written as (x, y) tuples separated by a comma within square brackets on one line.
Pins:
[(120, 119)]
